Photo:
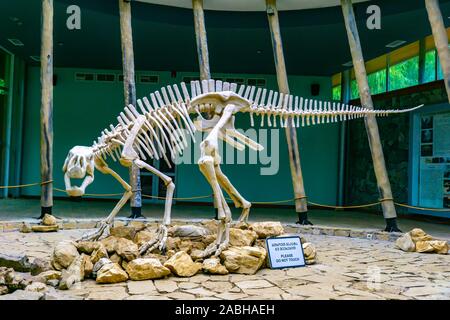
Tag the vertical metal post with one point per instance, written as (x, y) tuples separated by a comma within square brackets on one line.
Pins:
[(440, 40), (47, 107), (301, 205), (129, 87), (201, 39), (384, 186)]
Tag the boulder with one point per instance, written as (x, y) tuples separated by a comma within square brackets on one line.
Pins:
[(188, 231), (37, 287), (123, 232), (100, 263), (213, 266), (310, 253), (185, 245), (267, 229), (99, 253), (144, 236), (88, 265), (48, 220), (181, 264), (242, 238), (45, 276), (245, 260), (25, 228), (64, 254), (173, 243), (210, 225), (116, 258), (419, 235), (127, 249), (38, 266), (405, 243), (146, 268), (440, 246), (73, 274), (42, 228), (18, 262), (111, 273), (3, 290), (160, 257), (207, 240), (110, 244), (87, 247)]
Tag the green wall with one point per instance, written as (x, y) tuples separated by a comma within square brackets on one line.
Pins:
[(83, 109)]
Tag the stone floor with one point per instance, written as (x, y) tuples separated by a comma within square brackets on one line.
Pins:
[(24, 209), (347, 268)]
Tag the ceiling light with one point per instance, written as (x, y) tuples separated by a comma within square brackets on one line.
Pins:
[(14, 19), (35, 58), (395, 43), (348, 64), (16, 42)]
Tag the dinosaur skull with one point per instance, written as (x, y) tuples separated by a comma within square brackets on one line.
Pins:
[(79, 164)]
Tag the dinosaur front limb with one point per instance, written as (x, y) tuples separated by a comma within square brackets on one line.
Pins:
[(105, 224), (161, 238)]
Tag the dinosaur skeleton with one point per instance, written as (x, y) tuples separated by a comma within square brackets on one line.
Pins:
[(158, 131)]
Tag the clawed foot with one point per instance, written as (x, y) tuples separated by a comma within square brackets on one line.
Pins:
[(213, 249), (159, 241), (103, 229)]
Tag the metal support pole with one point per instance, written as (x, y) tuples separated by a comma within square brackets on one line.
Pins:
[(440, 40), (129, 87), (47, 107), (301, 204), (384, 186)]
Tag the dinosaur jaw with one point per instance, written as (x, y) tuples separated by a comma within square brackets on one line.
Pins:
[(77, 191)]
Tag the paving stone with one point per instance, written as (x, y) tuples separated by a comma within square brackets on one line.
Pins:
[(181, 296), (201, 292), (218, 286), (165, 285), (141, 287), (254, 284)]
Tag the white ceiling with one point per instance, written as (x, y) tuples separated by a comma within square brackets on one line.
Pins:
[(251, 5)]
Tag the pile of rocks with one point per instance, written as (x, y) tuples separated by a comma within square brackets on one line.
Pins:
[(116, 258), (48, 224), (417, 240)]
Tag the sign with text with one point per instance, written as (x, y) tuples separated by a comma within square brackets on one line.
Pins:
[(285, 252)]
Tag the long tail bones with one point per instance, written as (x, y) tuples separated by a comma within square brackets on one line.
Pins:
[(152, 130)]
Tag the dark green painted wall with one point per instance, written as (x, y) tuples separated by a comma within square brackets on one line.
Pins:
[(83, 109)]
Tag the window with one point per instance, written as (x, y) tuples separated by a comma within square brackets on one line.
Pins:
[(430, 66), (354, 92), (404, 74), (336, 93), (377, 81)]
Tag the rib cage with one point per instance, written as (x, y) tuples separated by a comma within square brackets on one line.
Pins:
[(168, 110)]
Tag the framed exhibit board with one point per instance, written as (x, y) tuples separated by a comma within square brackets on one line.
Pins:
[(430, 152)]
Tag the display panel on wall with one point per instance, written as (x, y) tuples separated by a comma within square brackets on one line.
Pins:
[(434, 164)]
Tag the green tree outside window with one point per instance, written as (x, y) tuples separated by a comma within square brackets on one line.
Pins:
[(336, 93), (377, 82), (430, 66), (404, 74)]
